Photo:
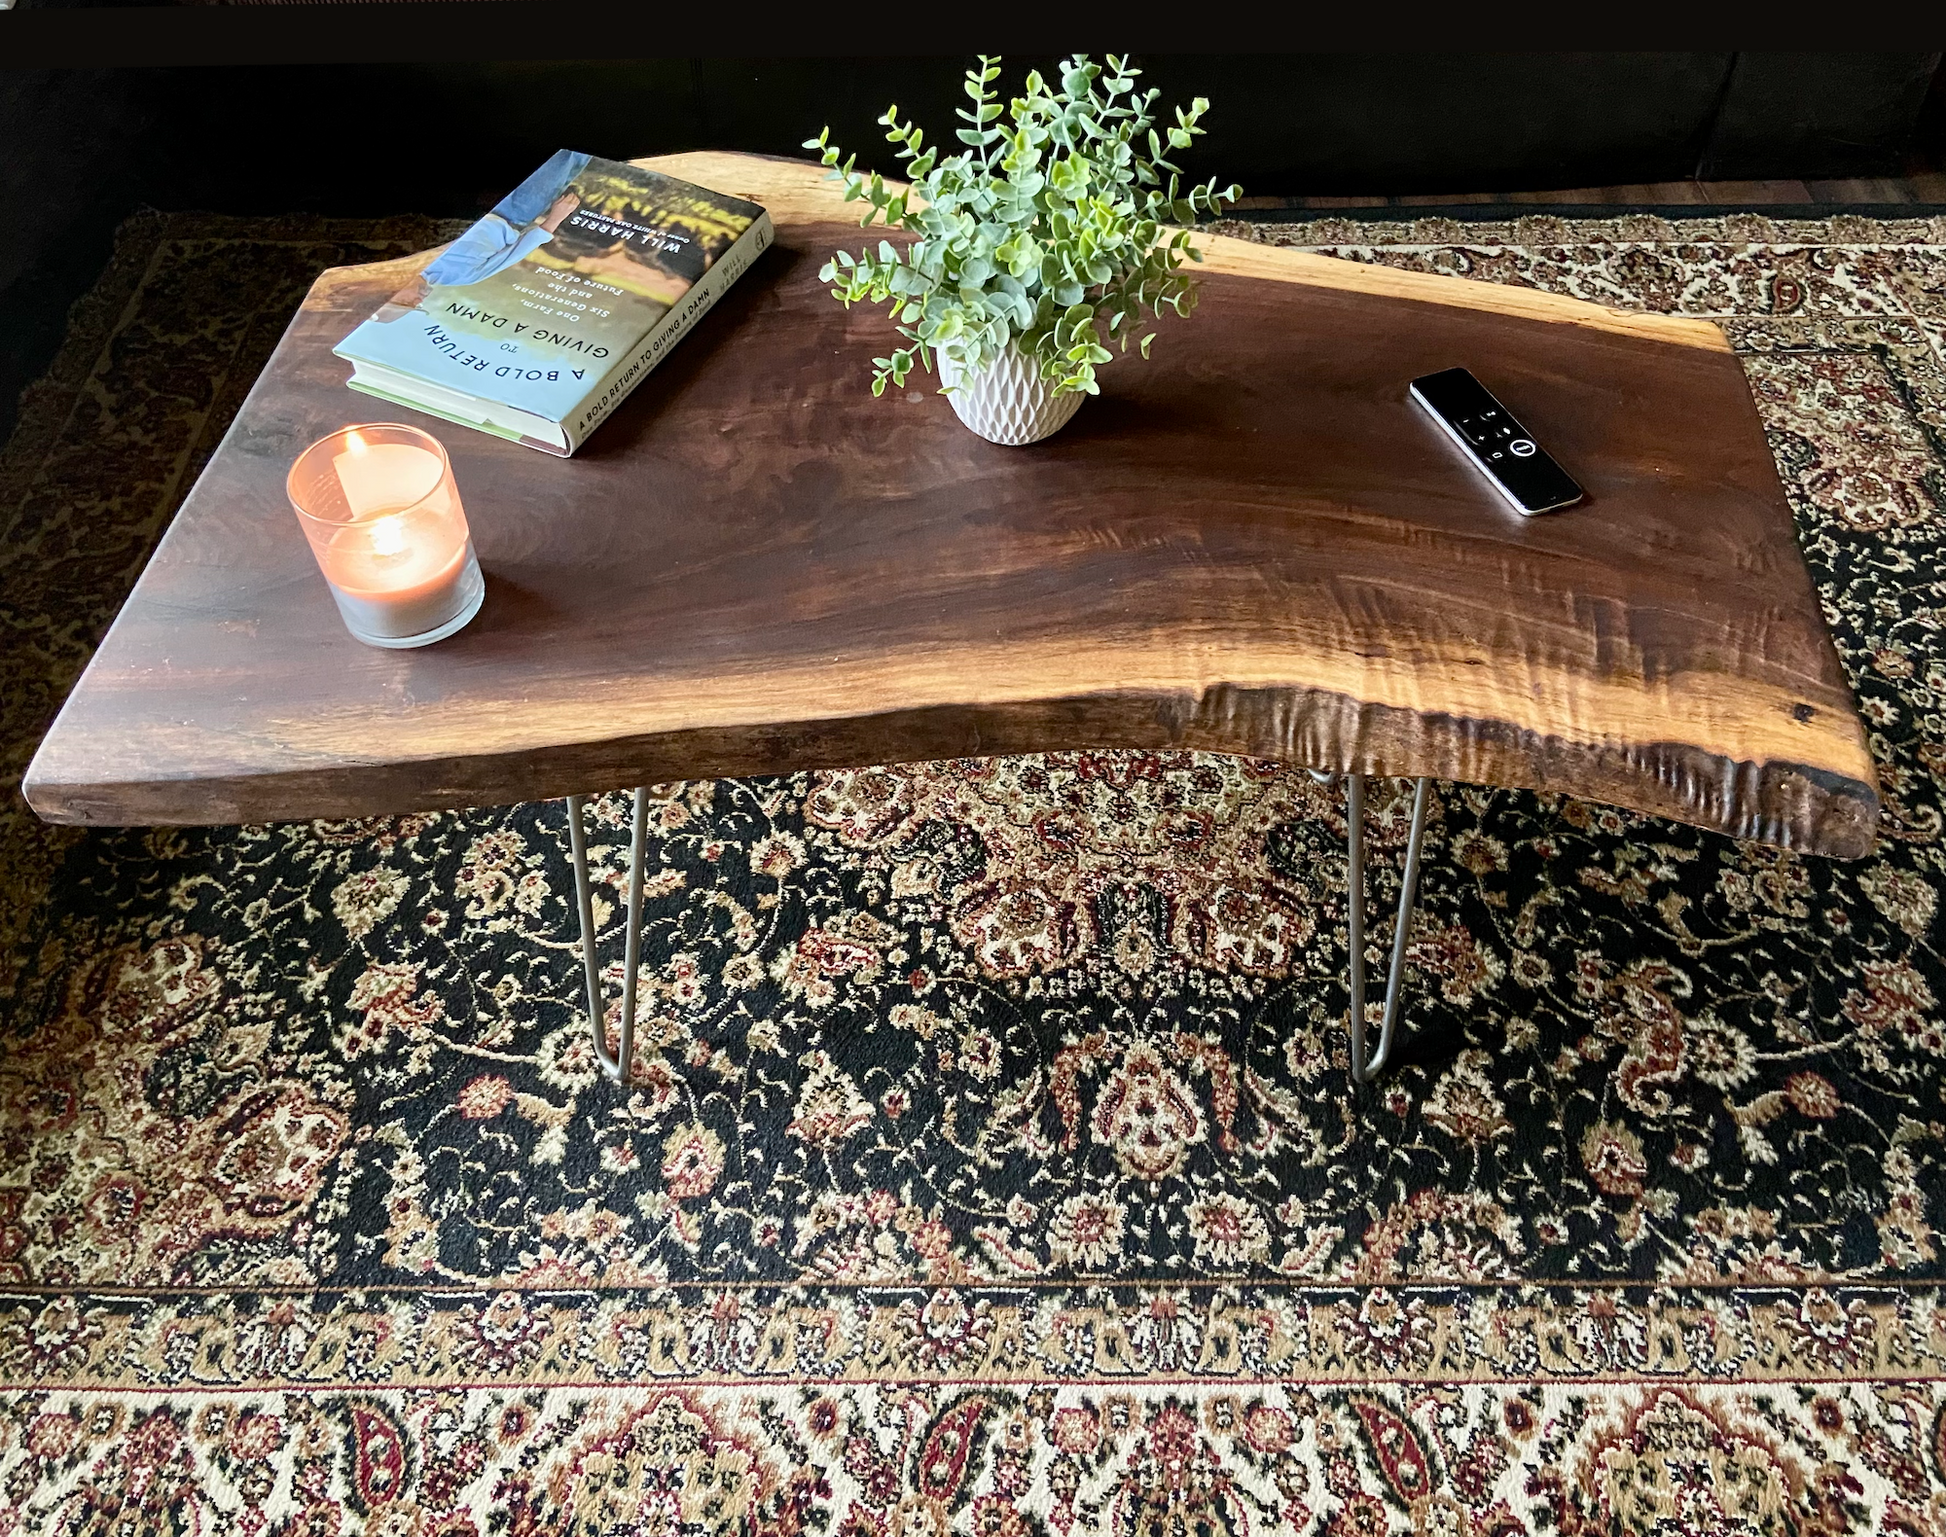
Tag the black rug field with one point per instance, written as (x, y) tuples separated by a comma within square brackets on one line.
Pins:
[(991, 1165)]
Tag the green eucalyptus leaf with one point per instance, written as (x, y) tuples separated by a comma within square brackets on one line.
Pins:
[(1046, 227)]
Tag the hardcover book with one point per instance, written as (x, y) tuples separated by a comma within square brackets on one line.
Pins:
[(538, 321)]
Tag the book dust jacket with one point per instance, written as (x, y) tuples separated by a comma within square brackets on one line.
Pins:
[(539, 302)]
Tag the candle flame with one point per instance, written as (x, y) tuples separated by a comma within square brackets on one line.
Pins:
[(387, 537), (354, 442)]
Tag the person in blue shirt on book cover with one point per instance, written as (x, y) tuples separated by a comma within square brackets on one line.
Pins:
[(521, 222)]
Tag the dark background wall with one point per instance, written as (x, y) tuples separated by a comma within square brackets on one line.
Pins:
[(80, 148)]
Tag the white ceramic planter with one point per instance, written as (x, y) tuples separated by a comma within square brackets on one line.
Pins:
[(1008, 401)]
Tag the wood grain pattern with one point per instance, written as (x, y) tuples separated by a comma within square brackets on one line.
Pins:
[(800, 193), (1251, 544)]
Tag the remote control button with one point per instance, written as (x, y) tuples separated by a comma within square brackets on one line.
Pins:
[(1523, 447)]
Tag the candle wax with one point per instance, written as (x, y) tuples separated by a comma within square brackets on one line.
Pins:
[(403, 594)]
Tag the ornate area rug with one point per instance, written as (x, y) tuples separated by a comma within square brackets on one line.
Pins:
[(992, 1167)]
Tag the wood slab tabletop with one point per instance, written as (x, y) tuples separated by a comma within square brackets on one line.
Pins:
[(1252, 543)]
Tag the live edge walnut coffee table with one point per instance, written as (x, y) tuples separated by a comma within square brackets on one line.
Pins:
[(1252, 544)]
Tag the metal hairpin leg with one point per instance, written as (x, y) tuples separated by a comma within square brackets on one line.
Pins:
[(1364, 1068), (617, 1065)]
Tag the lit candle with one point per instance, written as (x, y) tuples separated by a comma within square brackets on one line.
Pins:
[(385, 522)]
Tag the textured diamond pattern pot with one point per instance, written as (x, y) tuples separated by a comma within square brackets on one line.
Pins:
[(1008, 401)]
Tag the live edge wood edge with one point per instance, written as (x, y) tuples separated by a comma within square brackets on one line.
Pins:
[(1828, 807), (1789, 805)]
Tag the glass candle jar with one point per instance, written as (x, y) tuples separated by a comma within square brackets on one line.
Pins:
[(384, 519)]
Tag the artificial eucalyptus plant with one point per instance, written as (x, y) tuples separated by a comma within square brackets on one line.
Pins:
[(1050, 230)]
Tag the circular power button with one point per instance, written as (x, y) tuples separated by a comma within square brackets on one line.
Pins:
[(1522, 448)]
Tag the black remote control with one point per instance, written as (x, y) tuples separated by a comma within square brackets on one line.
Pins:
[(1487, 433)]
